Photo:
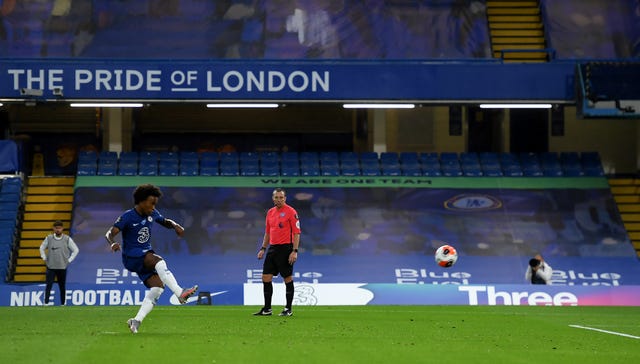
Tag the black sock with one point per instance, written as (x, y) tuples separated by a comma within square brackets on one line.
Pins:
[(289, 294), (267, 289)]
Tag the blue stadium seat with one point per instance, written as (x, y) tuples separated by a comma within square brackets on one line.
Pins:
[(370, 169), (107, 167), (270, 168), (189, 167), (188, 157), (389, 158), (11, 185), (89, 156), (409, 157), (329, 157), (108, 157), (269, 157), (147, 157), (10, 197), (348, 157), (290, 170), (249, 167), (368, 157), (350, 169), (492, 170), (87, 169), (209, 159), (309, 157), (390, 168), (148, 168), (451, 169), (413, 170), (229, 167), (248, 157), (329, 168), (512, 170), (309, 168), (9, 215), (431, 168), (127, 168), (208, 168), (229, 157), (470, 169), (128, 157)]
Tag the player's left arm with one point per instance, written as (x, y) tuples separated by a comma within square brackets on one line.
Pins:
[(170, 224), (73, 247)]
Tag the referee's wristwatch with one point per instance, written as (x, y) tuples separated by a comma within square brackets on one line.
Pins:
[(295, 250)]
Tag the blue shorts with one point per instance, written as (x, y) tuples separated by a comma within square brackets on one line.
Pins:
[(136, 265)]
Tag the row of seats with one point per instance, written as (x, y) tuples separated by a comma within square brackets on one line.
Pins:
[(10, 202), (340, 164)]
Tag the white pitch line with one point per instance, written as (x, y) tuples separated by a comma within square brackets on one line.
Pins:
[(605, 331)]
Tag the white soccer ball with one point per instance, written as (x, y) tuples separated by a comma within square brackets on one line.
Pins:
[(446, 256)]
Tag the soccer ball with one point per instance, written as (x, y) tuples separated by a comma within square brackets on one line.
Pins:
[(446, 256)]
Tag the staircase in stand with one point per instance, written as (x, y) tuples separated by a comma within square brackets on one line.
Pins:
[(516, 30), (626, 192), (47, 199)]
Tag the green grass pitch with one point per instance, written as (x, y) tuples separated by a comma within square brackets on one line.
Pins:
[(322, 334)]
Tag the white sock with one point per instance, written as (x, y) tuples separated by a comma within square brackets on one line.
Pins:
[(150, 300), (167, 278)]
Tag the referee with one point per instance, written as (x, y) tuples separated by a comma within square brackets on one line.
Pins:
[(282, 238)]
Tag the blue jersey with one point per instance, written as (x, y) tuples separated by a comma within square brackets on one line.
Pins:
[(136, 231)]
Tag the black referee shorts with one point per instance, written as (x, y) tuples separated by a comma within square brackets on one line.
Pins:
[(277, 260)]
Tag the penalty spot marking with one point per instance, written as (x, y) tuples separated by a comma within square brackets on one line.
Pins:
[(605, 331)]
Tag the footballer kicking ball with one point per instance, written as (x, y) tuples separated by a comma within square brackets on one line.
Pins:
[(446, 256)]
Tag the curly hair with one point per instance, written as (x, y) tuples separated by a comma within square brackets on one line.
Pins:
[(142, 192)]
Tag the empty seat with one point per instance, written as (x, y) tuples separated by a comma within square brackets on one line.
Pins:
[(290, 170), (269, 157), (472, 169), (413, 170), (87, 156), (492, 170), (390, 168), (368, 157), (107, 167), (331, 157), (389, 157), (249, 167), (126, 168), (128, 157), (512, 170), (451, 169), (409, 157), (9, 215), (309, 157), (370, 169), (348, 158), (189, 167), (229, 167), (249, 157), (148, 168), (310, 169), (10, 197), (106, 156), (270, 168), (330, 169)]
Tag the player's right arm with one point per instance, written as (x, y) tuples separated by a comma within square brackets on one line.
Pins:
[(110, 235)]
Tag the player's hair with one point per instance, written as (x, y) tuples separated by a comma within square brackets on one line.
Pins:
[(533, 262), (142, 192), (279, 189), (57, 223)]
